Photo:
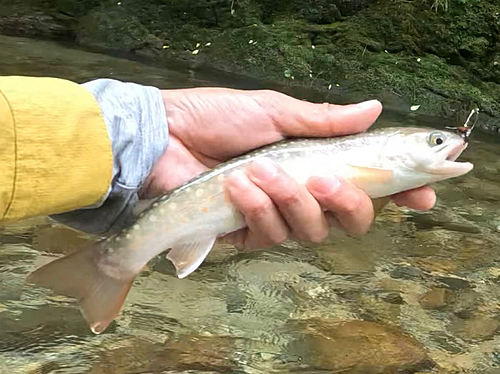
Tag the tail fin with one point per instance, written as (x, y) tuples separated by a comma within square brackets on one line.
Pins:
[(78, 275)]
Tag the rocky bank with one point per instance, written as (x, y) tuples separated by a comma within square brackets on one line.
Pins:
[(443, 55)]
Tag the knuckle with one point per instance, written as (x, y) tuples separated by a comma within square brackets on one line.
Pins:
[(260, 208), (290, 197), (352, 205)]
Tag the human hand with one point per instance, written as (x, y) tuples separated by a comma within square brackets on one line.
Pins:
[(211, 125)]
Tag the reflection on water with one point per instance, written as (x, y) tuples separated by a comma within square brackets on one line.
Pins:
[(420, 292)]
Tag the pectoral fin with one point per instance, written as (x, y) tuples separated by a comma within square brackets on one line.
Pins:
[(187, 257), (362, 176)]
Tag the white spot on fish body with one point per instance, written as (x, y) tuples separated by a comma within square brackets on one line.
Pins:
[(172, 206), (136, 227), (199, 192), (153, 218)]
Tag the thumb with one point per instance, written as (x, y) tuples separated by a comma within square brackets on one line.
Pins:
[(293, 117)]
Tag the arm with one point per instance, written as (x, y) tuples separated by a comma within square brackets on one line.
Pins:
[(77, 152), (136, 121), (54, 148)]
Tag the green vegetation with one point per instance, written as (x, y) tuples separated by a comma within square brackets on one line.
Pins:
[(440, 4), (443, 55)]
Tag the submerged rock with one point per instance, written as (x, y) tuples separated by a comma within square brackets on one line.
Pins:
[(406, 272), (477, 328), (358, 347), (435, 298), (200, 354)]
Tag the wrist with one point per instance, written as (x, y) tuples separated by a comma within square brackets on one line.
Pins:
[(174, 168)]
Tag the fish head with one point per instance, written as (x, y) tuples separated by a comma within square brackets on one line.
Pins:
[(428, 153)]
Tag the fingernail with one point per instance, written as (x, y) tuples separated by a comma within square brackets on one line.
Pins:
[(263, 169), (368, 104), (324, 186)]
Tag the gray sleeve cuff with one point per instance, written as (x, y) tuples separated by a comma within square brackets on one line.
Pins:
[(137, 125)]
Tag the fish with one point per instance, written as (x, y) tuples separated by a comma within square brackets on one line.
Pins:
[(188, 220)]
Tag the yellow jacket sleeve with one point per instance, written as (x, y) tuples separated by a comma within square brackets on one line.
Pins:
[(55, 151)]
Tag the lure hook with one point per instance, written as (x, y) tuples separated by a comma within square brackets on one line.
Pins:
[(465, 130)]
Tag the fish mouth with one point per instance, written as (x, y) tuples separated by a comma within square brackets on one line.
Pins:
[(448, 164), (455, 151)]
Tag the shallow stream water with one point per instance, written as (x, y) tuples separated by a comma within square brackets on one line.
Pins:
[(419, 293)]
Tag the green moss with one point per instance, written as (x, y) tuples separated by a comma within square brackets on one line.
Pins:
[(370, 49), (266, 49)]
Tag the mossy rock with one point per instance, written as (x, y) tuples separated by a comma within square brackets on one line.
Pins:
[(112, 29), (447, 61)]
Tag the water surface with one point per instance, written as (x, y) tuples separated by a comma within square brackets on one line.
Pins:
[(419, 293)]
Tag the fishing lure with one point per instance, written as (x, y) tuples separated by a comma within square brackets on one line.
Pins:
[(465, 130)]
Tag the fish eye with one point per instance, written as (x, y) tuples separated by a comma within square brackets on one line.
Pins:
[(435, 138)]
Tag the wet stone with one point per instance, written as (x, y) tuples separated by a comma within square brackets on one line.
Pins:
[(41, 329), (487, 191), (465, 227), (196, 353), (436, 298), (345, 260), (463, 302), (445, 220), (236, 299), (489, 371), (203, 353), (393, 298), (148, 320), (358, 347), (446, 342), (454, 283), (406, 272), (477, 328), (488, 172)]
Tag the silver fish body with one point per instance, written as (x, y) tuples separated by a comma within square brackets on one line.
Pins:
[(189, 219)]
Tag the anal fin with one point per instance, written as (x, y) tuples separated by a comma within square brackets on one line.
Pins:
[(188, 256)]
